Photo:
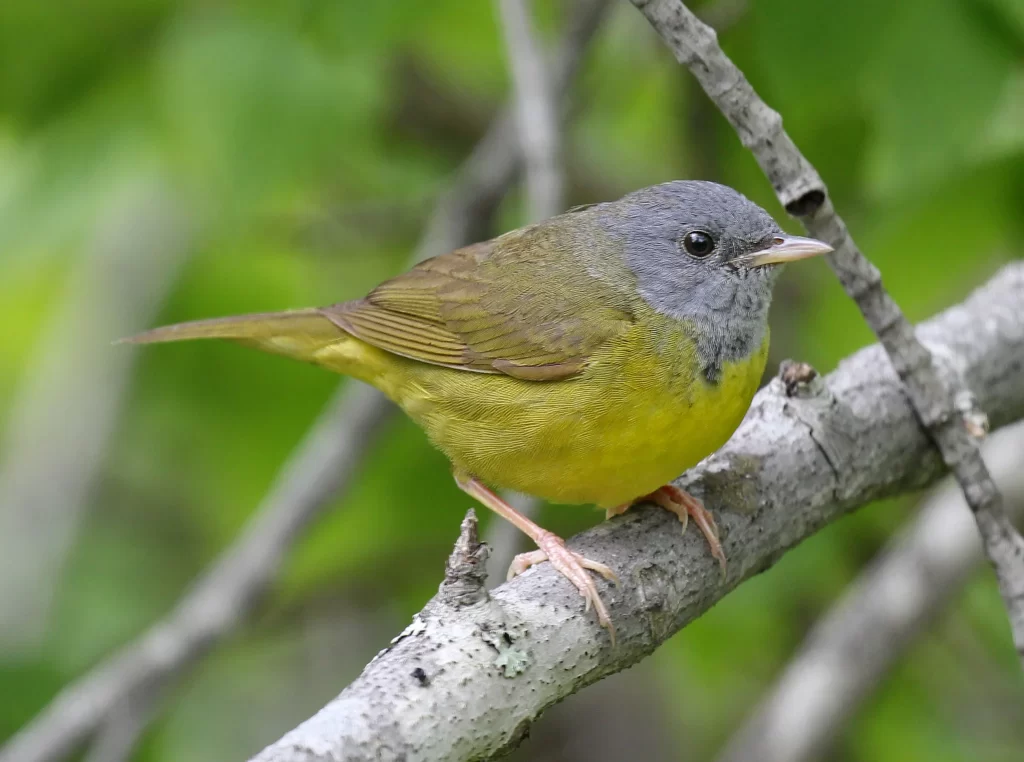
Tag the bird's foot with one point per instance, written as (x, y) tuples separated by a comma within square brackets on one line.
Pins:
[(572, 566), (568, 563), (684, 505)]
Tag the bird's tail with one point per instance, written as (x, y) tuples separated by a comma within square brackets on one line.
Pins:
[(299, 334)]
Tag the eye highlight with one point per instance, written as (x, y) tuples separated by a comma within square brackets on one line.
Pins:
[(698, 244)]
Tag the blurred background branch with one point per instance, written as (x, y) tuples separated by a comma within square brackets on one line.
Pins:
[(118, 736), (538, 127), (70, 399), (538, 132)]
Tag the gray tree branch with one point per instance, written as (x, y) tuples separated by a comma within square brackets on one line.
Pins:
[(465, 682), (317, 471), (805, 196), (855, 645)]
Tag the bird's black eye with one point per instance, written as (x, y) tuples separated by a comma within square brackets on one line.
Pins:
[(698, 243)]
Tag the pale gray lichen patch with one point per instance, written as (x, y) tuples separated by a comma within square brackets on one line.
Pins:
[(731, 484), (416, 627), (512, 662), (655, 589)]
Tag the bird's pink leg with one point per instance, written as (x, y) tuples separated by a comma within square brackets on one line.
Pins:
[(568, 563), (682, 504)]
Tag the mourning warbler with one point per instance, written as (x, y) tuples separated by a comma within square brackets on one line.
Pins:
[(590, 358)]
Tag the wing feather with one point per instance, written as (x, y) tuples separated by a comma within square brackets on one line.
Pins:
[(487, 308)]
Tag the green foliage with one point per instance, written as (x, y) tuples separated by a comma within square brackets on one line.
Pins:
[(291, 135)]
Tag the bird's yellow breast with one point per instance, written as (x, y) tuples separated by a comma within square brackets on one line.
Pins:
[(637, 417)]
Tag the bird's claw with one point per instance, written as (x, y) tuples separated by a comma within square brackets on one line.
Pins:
[(573, 566), (683, 504)]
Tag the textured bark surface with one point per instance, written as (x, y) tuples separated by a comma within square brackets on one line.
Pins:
[(464, 682)]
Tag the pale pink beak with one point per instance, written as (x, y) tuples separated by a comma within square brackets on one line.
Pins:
[(786, 248)]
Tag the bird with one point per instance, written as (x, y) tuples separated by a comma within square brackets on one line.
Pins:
[(590, 358)]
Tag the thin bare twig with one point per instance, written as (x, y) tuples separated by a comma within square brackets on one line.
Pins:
[(801, 190), (495, 160), (539, 129), (317, 471), (536, 111), (855, 645), (466, 683)]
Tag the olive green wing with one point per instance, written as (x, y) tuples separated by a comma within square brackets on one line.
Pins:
[(519, 305)]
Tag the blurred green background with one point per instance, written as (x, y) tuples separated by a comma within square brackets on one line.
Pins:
[(163, 160)]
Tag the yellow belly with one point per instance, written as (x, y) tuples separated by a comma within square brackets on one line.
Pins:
[(636, 418)]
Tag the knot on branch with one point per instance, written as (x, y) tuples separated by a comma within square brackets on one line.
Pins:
[(975, 419), (465, 574), (952, 380), (806, 204), (799, 379)]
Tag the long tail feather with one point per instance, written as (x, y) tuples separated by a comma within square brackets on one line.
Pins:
[(297, 333)]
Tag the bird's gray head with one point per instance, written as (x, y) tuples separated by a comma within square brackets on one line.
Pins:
[(702, 252)]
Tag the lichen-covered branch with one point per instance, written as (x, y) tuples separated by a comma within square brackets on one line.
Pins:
[(803, 193), (466, 680)]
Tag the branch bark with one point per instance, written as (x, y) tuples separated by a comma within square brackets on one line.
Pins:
[(316, 473), (803, 193), (855, 645), (466, 682)]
